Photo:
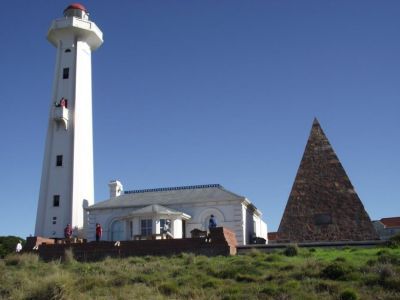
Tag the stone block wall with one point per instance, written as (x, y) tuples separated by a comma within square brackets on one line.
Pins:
[(222, 242)]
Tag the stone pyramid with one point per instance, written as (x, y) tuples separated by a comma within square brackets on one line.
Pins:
[(323, 205)]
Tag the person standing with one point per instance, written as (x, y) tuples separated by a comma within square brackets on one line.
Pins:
[(212, 223), (99, 232), (18, 248), (68, 231)]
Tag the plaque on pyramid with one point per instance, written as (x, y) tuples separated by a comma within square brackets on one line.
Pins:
[(323, 205)]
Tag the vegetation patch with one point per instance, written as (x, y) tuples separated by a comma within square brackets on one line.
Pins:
[(394, 241), (8, 244), (291, 250), (335, 271), (352, 273), (348, 295)]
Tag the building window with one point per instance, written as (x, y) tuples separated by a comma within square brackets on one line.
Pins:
[(146, 227), (67, 50), (59, 160), (117, 231), (65, 73), (56, 200), (54, 220), (131, 229)]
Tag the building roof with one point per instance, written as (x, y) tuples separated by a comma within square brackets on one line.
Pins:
[(391, 222), (156, 209), (76, 6), (169, 196)]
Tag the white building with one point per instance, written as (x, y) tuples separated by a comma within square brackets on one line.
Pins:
[(67, 189), (387, 227), (67, 173), (143, 213)]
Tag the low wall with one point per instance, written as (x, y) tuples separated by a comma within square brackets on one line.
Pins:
[(222, 242), (33, 242)]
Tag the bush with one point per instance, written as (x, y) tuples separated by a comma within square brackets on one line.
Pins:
[(385, 273), (387, 258), (273, 257), (168, 288), (291, 250), (52, 291), (348, 295), (340, 259), (395, 241), (270, 290), (21, 260), (68, 257), (334, 271), (246, 278), (8, 243), (329, 287), (57, 286)]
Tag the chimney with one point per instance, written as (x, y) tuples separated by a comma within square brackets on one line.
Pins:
[(116, 188)]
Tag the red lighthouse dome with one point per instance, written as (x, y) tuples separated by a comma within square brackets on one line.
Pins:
[(76, 6)]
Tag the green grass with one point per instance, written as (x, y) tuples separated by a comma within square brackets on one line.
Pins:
[(311, 274)]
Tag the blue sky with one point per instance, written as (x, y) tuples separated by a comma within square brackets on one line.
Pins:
[(197, 92)]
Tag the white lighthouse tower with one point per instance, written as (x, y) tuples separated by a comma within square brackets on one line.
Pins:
[(67, 175)]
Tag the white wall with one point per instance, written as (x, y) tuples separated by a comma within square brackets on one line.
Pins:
[(230, 214), (73, 181)]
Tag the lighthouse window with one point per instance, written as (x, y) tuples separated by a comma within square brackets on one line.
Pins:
[(56, 200), (59, 160), (54, 220), (65, 73), (67, 50)]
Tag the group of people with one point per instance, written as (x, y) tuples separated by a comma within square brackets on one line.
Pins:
[(68, 232), (99, 231)]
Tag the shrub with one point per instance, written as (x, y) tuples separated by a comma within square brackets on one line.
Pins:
[(209, 284), (270, 290), (55, 287), (382, 252), (392, 284), (348, 295), (254, 252), (68, 257), (334, 271), (287, 268), (340, 259), (291, 250), (385, 273), (329, 287), (246, 278), (395, 241), (53, 291), (168, 288), (273, 257), (8, 243), (387, 258), (21, 259)]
